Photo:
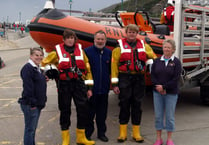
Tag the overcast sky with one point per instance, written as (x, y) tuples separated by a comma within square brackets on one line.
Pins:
[(14, 10)]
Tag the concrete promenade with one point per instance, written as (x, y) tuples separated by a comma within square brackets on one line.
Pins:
[(192, 118)]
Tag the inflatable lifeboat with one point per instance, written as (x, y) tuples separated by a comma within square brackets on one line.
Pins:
[(48, 26)]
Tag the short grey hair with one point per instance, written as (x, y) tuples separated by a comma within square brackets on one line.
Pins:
[(170, 41), (100, 32)]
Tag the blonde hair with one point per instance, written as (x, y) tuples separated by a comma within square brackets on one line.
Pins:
[(132, 27)]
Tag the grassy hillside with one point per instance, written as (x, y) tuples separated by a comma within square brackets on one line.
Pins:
[(154, 7)]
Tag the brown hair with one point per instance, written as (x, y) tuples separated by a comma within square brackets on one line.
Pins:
[(32, 50), (132, 27), (68, 33)]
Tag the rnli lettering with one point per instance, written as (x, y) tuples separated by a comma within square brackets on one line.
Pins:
[(108, 31), (122, 34), (115, 32)]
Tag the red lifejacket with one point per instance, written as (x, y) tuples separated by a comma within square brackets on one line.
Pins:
[(169, 17), (67, 71), (129, 62)]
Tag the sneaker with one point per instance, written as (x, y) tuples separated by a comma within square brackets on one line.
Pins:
[(169, 142), (158, 142)]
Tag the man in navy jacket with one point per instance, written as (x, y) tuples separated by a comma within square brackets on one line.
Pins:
[(100, 61)]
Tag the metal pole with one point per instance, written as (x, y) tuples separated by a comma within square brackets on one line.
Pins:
[(70, 9), (178, 29), (122, 5), (19, 17), (70, 2)]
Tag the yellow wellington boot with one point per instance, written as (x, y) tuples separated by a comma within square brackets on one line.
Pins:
[(81, 138), (65, 137), (136, 134), (123, 133)]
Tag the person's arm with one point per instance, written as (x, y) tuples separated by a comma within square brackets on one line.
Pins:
[(51, 58), (149, 52), (28, 84), (153, 73), (114, 69), (177, 73), (150, 56), (114, 66), (88, 78), (157, 86)]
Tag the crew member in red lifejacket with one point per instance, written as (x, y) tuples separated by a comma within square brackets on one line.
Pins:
[(74, 82), (127, 71), (167, 16)]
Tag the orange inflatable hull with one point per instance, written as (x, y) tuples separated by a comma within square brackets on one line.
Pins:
[(47, 31)]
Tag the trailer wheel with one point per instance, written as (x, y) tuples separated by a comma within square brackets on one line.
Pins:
[(204, 92)]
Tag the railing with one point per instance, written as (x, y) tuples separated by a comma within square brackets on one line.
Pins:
[(191, 33)]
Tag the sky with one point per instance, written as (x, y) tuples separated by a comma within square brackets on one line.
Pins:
[(22, 10)]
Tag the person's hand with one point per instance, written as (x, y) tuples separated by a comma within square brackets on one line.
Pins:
[(116, 90), (160, 89), (47, 78), (163, 92), (89, 94)]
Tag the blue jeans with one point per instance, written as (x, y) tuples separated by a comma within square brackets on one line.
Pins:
[(31, 117), (164, 106)]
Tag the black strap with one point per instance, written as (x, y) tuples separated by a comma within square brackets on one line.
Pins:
[(139, 62), (73, 70)]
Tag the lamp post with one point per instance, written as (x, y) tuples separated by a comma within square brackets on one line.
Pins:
[(122, 5), (19, 17), (70, 2)]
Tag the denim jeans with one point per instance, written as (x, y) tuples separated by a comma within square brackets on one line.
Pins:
[(164, 107), (31, 117)]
